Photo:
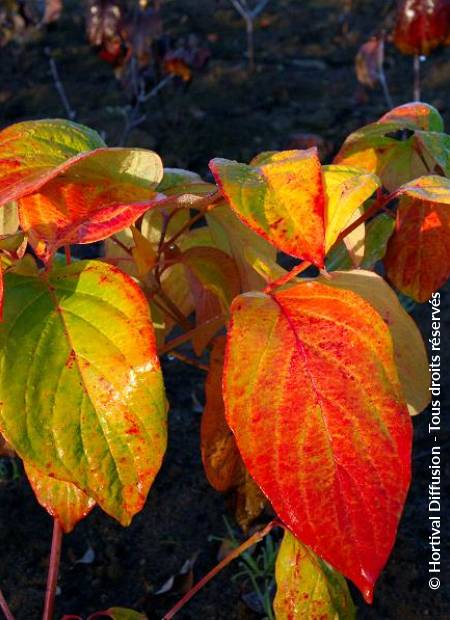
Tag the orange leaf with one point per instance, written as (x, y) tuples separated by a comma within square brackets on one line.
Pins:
[(100, 194), (221, 458), (69, 188), (62, 500), (404, 144), (293, 202), (313, 398), (417, 260)]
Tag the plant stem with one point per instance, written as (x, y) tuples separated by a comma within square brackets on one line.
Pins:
[(257, 536), (70, 113), (181, 319), (185, 227), (378, 205), (284, 279), (121, 245), (250, 44), (53, 571), (188, 360), (4, 607), (416, 95), (68, 254)]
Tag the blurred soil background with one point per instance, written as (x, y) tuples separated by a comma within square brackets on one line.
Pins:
[(304, 82)]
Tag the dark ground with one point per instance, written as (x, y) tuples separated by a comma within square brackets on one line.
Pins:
[(224, 112)]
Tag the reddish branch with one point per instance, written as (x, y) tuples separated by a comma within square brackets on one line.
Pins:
[(53, 571), (4, 607), (258, 536)]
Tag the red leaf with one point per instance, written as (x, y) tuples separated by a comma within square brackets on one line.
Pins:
[(418, 255), (312, 395), (422, 25)]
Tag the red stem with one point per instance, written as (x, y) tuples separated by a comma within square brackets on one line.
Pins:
[(68, 254), (4, 607), (378, 205), (229, 558), (53, 571), (294, 272)]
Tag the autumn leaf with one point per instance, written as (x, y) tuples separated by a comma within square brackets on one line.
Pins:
[(282, 199), (80, 382), (307, 588), (396, 147), (69, 188), (236, 239), (214, 282), (293, 202), (222, 462), (100, 194), (346, 190), (62, 500), (409, 349), (419, 114), (417, 260), (313, 398), (31, 151)]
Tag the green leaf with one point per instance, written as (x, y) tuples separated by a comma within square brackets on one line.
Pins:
[(307, 587), (82, 392)]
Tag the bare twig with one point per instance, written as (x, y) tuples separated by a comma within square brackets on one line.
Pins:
[(179, 340), (416, 66), (190, 361), (382, 75), (249, 16), (70, 112)]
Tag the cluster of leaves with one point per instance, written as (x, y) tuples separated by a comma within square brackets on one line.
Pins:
[(311, 381), (133, 35)]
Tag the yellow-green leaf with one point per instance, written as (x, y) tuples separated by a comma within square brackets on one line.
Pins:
[(346, 190), (80, 381), (308, 588)]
